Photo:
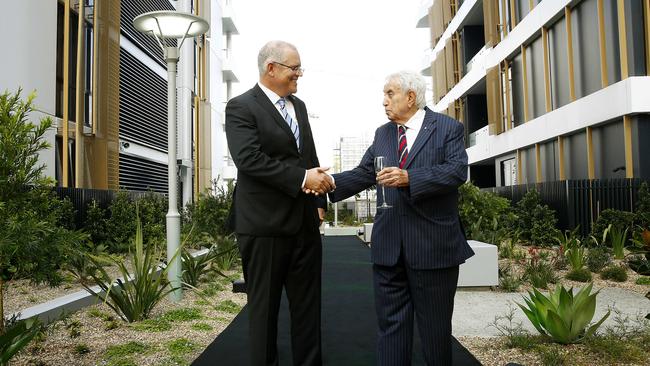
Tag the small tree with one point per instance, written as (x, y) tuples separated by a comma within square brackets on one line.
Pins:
[(32, 245)]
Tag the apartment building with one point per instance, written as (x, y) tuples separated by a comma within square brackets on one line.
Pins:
[(105, 86), (548, 90)]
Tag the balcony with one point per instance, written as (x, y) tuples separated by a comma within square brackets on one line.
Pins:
[(228, 19), (228, 68), (423, 14)]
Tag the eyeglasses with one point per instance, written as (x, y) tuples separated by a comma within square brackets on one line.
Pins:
[(296, 68)]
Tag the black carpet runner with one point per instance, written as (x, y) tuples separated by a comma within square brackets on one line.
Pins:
[(349, 324)]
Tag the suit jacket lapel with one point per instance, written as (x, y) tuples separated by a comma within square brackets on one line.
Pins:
[(392, 144), (428, 127), (264, 101)]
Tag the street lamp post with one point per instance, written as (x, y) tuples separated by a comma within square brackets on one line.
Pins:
[(165, 25)]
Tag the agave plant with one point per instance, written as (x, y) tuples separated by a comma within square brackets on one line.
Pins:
[(562, 316), (136, 294)]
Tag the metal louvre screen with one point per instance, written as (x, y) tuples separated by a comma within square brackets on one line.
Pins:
[(131, 9), (138, 174), (143, 103)]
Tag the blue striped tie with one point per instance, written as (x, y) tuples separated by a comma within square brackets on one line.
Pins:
[(293, 126)]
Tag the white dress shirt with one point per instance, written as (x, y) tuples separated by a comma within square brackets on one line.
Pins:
[(413, 127)]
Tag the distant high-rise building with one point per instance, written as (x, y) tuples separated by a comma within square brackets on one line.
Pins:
[(347, 156)]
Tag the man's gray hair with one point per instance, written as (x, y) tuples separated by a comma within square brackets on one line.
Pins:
[(411, 81), (272, 51)]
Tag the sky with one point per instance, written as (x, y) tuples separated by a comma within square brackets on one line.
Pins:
[(347, 49)]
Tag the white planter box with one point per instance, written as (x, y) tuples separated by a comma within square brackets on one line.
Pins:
[(367, 232), (342, 231), (482, 269)]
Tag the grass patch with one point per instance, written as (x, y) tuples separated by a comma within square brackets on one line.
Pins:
[(181, 347), (616, 350), (203, 327), (643, 281), (182, 315), (81, 349), (228, 306), (120, 355), (201, 302), (152, 325), (614, 273), (552, 355), (579, 275), (96, 313)]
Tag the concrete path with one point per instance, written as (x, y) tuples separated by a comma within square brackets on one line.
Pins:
[(475, 310)]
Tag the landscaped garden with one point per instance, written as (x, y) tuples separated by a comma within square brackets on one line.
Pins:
[(544, 263), (47, 252)]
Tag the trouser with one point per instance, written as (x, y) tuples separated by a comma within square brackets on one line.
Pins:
[(271, 263), (399, 293)]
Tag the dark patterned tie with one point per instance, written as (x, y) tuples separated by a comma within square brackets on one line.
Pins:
[(401, 142), (287, 117)]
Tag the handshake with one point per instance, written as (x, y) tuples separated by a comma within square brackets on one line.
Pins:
[(318, 182)]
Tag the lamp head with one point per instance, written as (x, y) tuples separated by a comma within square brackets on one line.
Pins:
[(171, 24)]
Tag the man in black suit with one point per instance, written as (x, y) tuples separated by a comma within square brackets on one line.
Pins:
[(276, 223), (418, 243)]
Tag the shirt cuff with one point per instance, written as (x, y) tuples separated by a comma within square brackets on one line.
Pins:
[(304, 180)]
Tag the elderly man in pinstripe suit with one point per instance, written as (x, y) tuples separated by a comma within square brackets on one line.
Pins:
[(418, 243)]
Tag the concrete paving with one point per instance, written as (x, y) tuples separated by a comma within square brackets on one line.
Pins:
[(475, 310)]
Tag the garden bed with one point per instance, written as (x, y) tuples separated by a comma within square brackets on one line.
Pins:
[(175, 334)]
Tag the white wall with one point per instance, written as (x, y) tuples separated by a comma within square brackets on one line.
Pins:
[(28, 36)]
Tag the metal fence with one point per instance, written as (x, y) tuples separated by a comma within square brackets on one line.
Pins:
[(579, 202)]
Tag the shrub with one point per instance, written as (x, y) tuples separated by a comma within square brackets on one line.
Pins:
[(95, 224), (121, 224), (579, 275), (597, 259), (152, 208), (228, 254), (536, 220), (493, 212), (614, 273), (562, 316), (643, 281), (639, 264), (508, 280), (33, 244), (538, 271), (66, 214), (619, 220), (209, 214)]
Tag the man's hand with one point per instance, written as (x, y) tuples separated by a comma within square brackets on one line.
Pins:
[(318, 182), (321, 214), (393, 177)]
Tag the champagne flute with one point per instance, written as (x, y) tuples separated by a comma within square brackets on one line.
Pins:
[(380, 163)]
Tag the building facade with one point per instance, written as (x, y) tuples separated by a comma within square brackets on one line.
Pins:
[(547, 90), (88, 51), (347, 156)]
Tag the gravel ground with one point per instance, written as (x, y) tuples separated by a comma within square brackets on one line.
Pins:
[(61, 346), (493, 352)]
